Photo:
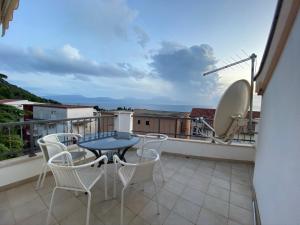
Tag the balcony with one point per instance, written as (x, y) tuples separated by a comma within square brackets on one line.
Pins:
[(197, 191), (206, 183)]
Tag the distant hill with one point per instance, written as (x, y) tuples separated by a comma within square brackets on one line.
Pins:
[(10, 91)]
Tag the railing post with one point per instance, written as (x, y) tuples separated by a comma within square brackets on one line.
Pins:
[(159, 125), (31, 153)]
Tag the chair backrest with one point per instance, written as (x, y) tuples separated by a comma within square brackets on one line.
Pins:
[(50, 149), (51, 138), (64, 173), (143, 171), (154, 141)]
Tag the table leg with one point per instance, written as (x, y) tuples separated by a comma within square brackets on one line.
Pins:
[(122, 155)]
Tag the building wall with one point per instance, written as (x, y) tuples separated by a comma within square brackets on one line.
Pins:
[(80, 112), (49, 113), (277, 167)]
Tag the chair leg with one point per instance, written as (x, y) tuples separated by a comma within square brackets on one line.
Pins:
[(51, 207), (115, 181), (156, 197), (162, 171), (105, 183), (122, 206), (44, 176), (88, 208), (39, 181)]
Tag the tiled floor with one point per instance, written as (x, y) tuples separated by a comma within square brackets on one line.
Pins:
[(201, 192)]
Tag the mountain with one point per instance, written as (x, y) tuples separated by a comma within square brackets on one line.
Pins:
[(157, 103), (10, 91)]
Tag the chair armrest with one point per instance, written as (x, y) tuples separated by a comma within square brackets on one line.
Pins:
[(104, 158), (118, 160)]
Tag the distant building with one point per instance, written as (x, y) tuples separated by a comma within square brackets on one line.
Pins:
[(60, 112), (208, 115), (174, 124), (18, 103)]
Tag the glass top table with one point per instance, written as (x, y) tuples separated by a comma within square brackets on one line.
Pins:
[(117, 143)]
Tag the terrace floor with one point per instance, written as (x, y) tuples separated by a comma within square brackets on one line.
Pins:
[(201, 192)]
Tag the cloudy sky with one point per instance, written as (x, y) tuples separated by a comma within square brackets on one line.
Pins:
[(134, 48)]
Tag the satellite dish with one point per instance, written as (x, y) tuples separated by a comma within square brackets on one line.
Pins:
[(232, 109)]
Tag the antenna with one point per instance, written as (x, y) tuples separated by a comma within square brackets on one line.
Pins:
[(252, 57)]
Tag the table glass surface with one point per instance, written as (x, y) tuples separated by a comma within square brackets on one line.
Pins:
[(111, 143)]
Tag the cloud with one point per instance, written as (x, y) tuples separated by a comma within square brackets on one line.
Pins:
[(64, 61), (101, 18), (142, 36), (183, 67)]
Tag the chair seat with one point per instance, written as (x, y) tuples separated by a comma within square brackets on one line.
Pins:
[(125, 173), (88, 175), (146, 153)]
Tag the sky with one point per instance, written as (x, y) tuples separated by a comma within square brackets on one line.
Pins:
[(135, 48)]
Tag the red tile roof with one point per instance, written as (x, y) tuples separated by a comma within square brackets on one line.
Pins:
[(210, 113), (203, 112)]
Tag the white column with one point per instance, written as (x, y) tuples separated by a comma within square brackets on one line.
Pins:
[(123, 121)]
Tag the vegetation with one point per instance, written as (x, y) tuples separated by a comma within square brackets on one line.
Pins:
[(10, 145), (10, 114), (11, 91)]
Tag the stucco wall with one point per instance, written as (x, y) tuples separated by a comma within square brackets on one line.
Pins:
[(277, 167)]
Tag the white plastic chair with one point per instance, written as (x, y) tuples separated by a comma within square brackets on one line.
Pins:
[(138, 173), (76, 178), (154, 142), (49, 151)]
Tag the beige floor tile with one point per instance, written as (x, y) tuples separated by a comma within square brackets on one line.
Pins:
[(231, 222), (136, 201), (181, 178), (222, 175), (208, 217), (28, 209), (187, 209), (79, 218), (60, 195), (241, 189), (216, 205), (98, 195), (175, 219), (3, 200), (21, 194), (112, 217), (208, 163), (218, 192), (186, 171), (138, 221), (149, 213), (48, 186), (38, 219), (204, 170), (245, 180), (193, 195), (240, 215), (199, 183), (221, 183), (6, 217), (166, 198), (103, 207), (66, 208), (174, 186), (241, 201)]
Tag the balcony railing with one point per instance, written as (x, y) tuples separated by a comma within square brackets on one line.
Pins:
[(20, 137), (187, 128)]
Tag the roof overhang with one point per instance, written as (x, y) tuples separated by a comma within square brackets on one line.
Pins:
[(285, 15)]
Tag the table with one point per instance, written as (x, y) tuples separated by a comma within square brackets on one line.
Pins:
[(118, 143)]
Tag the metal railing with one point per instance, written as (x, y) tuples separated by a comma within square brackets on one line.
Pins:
[(188, 128), (19, 138)]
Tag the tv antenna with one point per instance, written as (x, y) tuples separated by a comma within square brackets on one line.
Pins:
[(251, 58)]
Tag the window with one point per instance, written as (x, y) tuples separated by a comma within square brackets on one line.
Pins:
[(139, 121), (147, 122)]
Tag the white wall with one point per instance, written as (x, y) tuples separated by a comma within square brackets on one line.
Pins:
[(277, 164), (49, 113), (210, 150), (80, 112), (123, 121)]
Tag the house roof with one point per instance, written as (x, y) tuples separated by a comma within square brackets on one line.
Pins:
[(210, 113), (285, 15), (203, 112), (3, 101), (61, 106), (158, 113)]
